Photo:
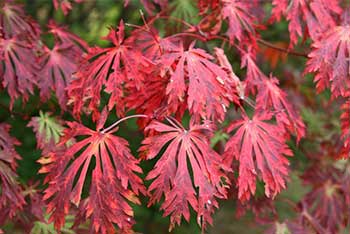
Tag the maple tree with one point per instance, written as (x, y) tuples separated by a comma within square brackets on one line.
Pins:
[(211, 124)]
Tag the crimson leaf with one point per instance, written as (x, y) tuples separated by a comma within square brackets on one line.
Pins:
[(125, 63), (317, 14), (112, 176), (193, 76), (329, 60), (11, 198), (17, 70), (171, 175), (258, 142)]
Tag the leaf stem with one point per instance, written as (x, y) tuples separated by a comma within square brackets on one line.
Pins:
[(121, 120), (287, 51), (176, 20)]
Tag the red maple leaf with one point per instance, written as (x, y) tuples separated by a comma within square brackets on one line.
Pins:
[(112, 176), (14, 22), (151, 44), (65, 37), (11, 198), (57, 66), (254, 75), (126, 64), (258, 142), (328, 60), (326, 200), (224, 63), (151, 99), (17, 71), (193, 76), (271, 98), (240, 17), (318, 16), (172, 177)]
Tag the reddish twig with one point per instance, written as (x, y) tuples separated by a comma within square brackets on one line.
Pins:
[(285, 50)]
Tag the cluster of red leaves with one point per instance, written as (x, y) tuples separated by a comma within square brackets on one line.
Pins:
[(11, 197), (112, 176), (328, 200), (27, 63), (163, 76), (312, 17)]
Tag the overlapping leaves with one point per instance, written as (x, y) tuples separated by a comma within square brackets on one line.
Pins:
[(11, 198)]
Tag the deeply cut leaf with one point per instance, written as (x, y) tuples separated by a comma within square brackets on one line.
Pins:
[(48, 130), (112, 176), (171, 176), (259, 148)]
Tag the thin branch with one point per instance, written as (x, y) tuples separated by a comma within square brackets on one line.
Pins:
[(187, 34), (121, 120), (285, 50), (206, 38)]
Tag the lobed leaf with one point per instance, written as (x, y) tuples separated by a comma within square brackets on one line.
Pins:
[(114, 178), (171, 176), (11, 198), (48, 130), (259, 148)]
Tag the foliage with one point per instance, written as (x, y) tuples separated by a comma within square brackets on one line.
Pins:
[(179, 63)]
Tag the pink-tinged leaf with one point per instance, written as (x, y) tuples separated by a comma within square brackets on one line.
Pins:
[(11, 198), (57, 66), (224, 63), (194, 77), (14, 22), (65, 5), (240, 18), (326, 200), (114, 179), (271, 98), (63, 36), (328, 60), (112, 67), (32, 212), (254, 75), (151, 44), (171, 175), (259, 148), (17, 73), (316, 16)]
